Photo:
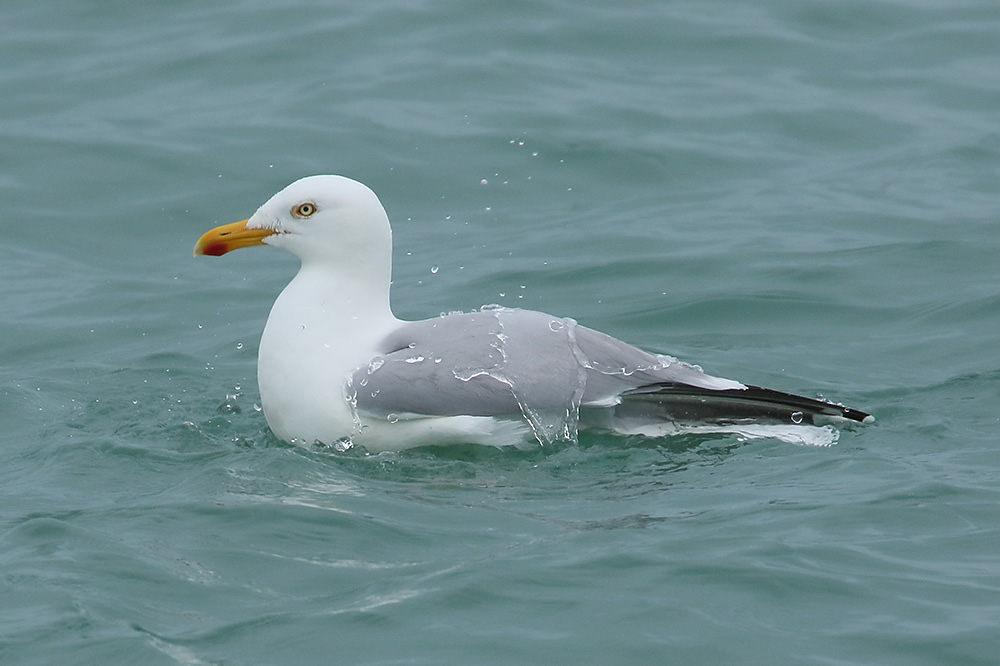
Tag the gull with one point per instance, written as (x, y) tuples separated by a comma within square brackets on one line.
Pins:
[(336, 367)]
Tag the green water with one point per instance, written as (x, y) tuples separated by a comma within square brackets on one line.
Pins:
[(802, 195)]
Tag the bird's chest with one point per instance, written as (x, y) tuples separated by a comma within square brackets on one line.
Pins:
[(302, 370)]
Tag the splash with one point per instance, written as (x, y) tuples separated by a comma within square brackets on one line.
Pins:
[(552, 416)]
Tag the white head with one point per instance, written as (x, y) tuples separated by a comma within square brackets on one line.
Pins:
[(330, 218), (324, 220)]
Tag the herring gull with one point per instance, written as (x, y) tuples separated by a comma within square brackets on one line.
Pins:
[(337, 368)]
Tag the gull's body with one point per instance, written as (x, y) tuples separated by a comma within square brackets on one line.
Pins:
[(336, 366)]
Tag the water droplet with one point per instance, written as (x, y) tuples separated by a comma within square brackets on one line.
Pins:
[(797, 417), (375, 365), (415, 359), (392, 418), (229, 407), (239, 345), (484, 182), (434, 269), (555, 325)]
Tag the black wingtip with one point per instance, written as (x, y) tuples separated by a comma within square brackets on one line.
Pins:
[(684, 402)]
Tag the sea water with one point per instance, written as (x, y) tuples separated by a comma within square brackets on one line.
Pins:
[(799, 195)]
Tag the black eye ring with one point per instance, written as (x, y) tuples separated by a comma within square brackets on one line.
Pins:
[(307, 209)]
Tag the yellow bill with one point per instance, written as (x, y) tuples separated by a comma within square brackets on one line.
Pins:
[(230, 237)]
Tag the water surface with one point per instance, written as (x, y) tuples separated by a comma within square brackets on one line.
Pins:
[(796, 195)]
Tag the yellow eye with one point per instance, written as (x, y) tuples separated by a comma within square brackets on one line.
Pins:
[(306, 209)]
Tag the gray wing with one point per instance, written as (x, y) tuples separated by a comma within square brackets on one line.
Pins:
[(504, 361)]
